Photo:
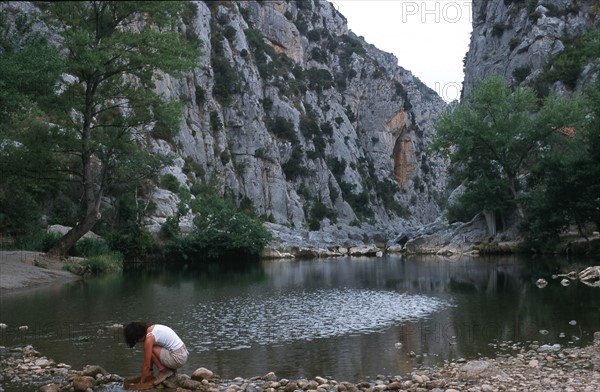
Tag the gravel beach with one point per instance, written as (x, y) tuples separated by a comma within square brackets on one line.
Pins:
[(542, 369), (24, 269)]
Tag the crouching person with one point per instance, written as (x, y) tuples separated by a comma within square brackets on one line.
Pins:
[(162, 348)]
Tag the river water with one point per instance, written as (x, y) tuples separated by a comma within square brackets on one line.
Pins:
[(346, 318)]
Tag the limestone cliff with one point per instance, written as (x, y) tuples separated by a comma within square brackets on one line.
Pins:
[(289, 110), (521, 40)]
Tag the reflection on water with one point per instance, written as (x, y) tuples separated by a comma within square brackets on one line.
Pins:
[(350, 319), (263, 319)]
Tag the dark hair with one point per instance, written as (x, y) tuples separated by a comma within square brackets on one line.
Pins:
[(134, 331)]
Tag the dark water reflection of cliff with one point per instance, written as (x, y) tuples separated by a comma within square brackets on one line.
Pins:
[(350, 319)]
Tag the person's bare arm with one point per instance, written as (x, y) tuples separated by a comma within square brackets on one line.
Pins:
[(147, 367)]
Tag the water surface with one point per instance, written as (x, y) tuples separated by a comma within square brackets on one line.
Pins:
[(349, 318)]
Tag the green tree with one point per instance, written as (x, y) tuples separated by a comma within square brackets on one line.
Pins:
[(29, 71), (114, 51), (565, 187), (496, 136), (221, 232)]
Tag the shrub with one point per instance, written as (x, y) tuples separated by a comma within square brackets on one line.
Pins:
[(169, 182), (87, 247), (97, 265), (521, 73), (309, 125), (284, 129), (227, 80), (215, 121), (221, 231), (133, 242), (293, 168), (313, 35)]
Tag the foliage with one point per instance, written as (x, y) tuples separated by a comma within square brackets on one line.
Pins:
[(96, 265), (87, 247), (95, 115), (566, 184), (227, 80), (283, 128), (294, 168), (568, 64), (386, 189), (309, 126), (133, 242), (496, 136), (318, 212), (319, 79), (221, 231)]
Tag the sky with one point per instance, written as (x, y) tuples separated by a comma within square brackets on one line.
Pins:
[(429, 37)]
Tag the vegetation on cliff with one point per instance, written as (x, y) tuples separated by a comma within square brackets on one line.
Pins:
[(75, 114), (515, 154)]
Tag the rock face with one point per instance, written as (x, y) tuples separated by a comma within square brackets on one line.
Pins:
[(293, 115), (518, 40), (290, 111)]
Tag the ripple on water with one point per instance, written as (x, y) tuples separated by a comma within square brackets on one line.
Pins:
[(241, 322)]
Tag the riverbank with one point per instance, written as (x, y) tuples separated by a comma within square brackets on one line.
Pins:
[(535, 368), (25, 269)]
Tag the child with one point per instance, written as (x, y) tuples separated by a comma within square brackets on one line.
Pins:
[(162, 348)]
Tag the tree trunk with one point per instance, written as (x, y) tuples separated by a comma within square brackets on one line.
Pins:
[(513, 191), (91, 197), (66, 242)]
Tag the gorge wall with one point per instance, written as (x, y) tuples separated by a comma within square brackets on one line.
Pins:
[(521, 40), (289, 110)]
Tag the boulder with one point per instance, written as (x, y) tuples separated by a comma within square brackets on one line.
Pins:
[(50, 388), (590, 276), (202, 374), (93, 371), (83, 383), (474, 370)]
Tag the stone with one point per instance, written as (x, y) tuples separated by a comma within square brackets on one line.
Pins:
[(50, 388), (534, 363), (541, 283), (590, 276), (270, 376), (83, 383), (43, 362), (93, 371), (193, 384), (473, 370), (393, 385), (202, 374), (548, 348)]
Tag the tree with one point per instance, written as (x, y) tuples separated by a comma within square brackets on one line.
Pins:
[(29, 71), (114, 52), (565, 187), (496, 136), (221, 233)]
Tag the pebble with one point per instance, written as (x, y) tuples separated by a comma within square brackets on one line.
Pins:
[(552, 369)]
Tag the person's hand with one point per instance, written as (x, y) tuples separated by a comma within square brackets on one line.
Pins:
[(146, 375)]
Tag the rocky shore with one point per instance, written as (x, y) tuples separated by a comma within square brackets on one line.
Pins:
[(532, 368)]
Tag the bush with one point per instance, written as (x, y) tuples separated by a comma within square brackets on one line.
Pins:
[(293, 167), (133, 242), (170, 183), (284, 129), (97, 265), (87, 247), (221, 232), (227, 80), (521, 73)]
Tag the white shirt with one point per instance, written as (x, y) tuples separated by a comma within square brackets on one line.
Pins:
[(166, 337)]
